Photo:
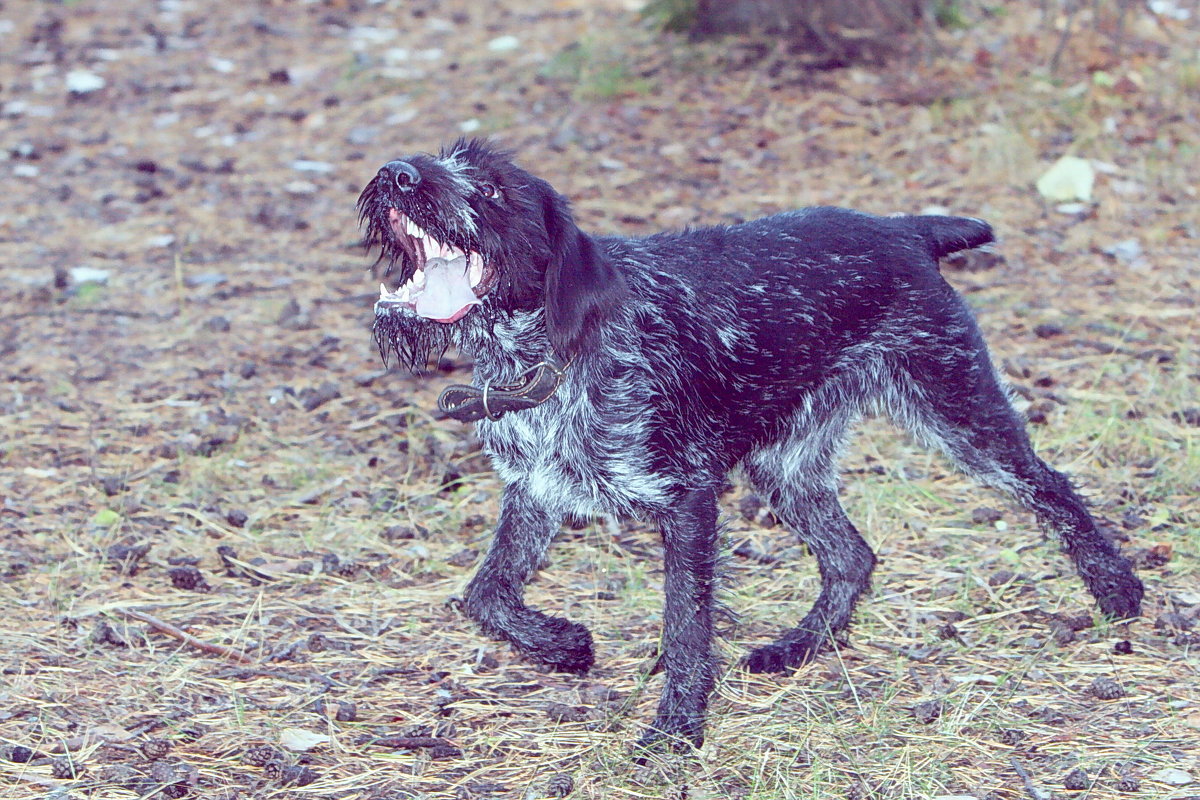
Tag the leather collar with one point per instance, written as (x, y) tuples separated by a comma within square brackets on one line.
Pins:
[(467, 403)]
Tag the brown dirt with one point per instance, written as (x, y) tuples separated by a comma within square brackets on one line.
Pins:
[(232, 541)]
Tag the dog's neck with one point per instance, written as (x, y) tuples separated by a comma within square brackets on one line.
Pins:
[(507, 344)]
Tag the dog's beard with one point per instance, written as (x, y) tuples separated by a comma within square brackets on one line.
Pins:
[(415, 341)]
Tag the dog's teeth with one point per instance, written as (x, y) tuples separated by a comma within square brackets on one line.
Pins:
[(418, 278), (475, 273), (383, 291)]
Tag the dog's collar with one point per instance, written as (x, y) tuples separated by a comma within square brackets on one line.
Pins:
[(467, 403)]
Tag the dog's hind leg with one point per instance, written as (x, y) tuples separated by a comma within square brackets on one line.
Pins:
[(947, 393), (495, 598), (845, 561), (797, 478), (690, 540)]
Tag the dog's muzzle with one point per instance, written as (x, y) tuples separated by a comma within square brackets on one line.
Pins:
[(447, 281)]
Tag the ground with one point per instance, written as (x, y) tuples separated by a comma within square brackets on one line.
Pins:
[(232, 541)]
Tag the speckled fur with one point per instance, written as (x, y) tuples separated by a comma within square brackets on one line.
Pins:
[(692, 353)]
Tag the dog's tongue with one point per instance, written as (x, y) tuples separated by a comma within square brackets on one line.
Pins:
[(447, 294)]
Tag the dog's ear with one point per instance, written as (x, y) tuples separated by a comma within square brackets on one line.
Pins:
[(583, 287)]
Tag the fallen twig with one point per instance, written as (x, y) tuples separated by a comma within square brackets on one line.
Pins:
[(1034, 792), (299, 677), (411, 742), (185, 637)]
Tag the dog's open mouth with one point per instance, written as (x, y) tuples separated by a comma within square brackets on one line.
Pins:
[(447, 281)]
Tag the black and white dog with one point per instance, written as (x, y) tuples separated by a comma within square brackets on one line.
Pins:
[(629, 376)]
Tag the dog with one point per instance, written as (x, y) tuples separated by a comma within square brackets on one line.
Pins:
[(628, 376)]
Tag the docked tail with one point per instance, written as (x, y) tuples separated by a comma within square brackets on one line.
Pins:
[(946, 235)]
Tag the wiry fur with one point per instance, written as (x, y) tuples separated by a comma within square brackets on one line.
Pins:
[(753, 345)]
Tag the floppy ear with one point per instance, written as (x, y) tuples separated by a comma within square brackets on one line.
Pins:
[(583, 287)]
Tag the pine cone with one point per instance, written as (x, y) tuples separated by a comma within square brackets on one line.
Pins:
[(65, 768), (154, 749), (260, 755)]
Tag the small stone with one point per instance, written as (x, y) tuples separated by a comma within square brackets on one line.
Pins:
[(1048, 330), (398, 532), (204, 278), (927, 712), (300, 188), (314, 398), (561, 712), (503, 44), (16, 753), (1172, 621), (1063, 635), (1128, 784), (347, 712), (125, 557), (1126, 251), (316, 167), (217, 324), (296, 775), (362, 135), (1001, 577), (236, 517), (82, 81), (443, 752), (81, 275), (985, 515), (162, 772)]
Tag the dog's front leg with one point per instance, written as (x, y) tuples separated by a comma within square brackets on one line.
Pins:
[(690, 556), (495, 598)]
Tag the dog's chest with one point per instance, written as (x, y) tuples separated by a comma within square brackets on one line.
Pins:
[(577, 458)]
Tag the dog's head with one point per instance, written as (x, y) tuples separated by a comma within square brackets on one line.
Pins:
[(467, 233)]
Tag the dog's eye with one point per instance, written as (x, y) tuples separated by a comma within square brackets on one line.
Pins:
[(489, 190)]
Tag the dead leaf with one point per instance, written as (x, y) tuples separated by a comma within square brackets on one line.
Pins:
[(1071, 178)]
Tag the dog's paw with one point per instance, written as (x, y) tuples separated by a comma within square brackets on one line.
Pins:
[(562, 646), (1119, 595), (783, 656), (669, 735), (1109, 577)]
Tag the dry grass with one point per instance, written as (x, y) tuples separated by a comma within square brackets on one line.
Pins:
[(175, 410)]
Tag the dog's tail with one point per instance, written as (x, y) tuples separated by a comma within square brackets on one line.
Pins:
[(946, 235)]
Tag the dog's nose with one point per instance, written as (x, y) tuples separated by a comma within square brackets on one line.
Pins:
[(404, 175)]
